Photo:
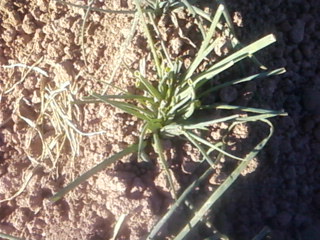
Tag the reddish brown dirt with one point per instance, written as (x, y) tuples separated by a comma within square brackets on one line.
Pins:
[(280, 189), (283, 192), (29, 31)]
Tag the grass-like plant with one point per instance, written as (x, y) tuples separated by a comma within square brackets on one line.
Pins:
[(171, 99), (50, 128)]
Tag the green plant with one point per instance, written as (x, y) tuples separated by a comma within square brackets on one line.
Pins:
[(9, 237), (173, 96)]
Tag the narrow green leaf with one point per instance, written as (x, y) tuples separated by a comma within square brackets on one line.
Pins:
[(200, 56), (197, 145), (149, 37), (262, 234), (130, 108), (118, 226), (200, 125), (235, 42), (110, 84), (131, 149), (245, 109), (172, 130), (9, 237), (151, 89), (200, 12), (226, 15), (120, 96), (194, 14), (177, 203), (141, 138), (250, 49), (188, 110), (246, 79), (239, 55), (122, 54), (186, 90), (259, 117), (206, 75), (159, 150), (182, 198), (222, 188), (179, 103), (164, 48), (203, 141)]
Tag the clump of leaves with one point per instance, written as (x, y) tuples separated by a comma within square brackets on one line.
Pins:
[(170, 100)]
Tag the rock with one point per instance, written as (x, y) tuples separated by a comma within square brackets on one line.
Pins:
[(9, 34), (28, 25), (188, 166), (137, 188), (297, 32), (217, 179)]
